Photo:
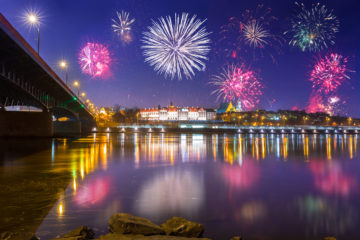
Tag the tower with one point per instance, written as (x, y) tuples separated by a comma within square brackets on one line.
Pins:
[(238, 107)]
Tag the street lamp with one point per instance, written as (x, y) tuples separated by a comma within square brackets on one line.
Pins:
[(33, 20), (83, 94), (77, 85), (63, 64)]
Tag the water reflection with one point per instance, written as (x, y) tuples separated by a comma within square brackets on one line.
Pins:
[(171, 193), (330, 178), (222, 180), (321, 214), (253, 211)]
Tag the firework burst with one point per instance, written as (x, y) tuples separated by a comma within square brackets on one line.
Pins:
[(122, 26), (313, 29), (332, 104), (178, 47), (250, 35), (95, 60), (329, 73), (123, 23), (255, 35), (237, 83)]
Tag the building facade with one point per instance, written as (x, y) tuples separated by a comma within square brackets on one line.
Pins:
[(173, 113)]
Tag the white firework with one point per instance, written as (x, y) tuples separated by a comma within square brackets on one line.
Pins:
[(177, 48), (255, 35), (122, 25)]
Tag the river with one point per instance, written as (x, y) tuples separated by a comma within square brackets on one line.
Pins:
[(271, 186)]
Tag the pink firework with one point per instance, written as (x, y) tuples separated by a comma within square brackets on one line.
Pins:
[(329, 73), (238, 83), (323, 103), (95, 60), (316, 104)]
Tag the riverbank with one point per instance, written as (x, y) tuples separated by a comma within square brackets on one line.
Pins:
[(123, 226)]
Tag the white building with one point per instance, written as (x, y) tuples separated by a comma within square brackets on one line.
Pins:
[(151, 114), (183, 114), (172, 113), (202, 114), (163, 114)]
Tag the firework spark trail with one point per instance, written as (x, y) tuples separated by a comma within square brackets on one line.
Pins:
[(313, 29), (329, 73), (255, 35), (322, 103), (94, 60), (178, 47), (250, 36), (238, 83), (123, 23)]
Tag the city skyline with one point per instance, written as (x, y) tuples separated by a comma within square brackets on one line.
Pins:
[(134, 83)]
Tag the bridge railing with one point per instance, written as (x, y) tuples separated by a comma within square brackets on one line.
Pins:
[(16, 36)]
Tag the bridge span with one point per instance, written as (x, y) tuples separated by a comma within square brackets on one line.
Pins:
[(27, 80), (225, 128)]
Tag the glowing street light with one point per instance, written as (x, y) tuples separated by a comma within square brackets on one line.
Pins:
[(63, 64), (33, 20), (83, 94), (77, 85)]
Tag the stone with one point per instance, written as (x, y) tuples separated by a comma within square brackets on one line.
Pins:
[(18, 236), (236, 238), (125, 223), (83, 231), (178, 226), (114, 236)]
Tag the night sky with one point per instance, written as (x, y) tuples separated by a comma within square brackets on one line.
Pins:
[(68, 24)]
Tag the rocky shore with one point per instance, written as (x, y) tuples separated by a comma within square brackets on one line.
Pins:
[(123, 226)]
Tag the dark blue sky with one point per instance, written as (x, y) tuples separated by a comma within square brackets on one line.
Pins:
[(68, 24)]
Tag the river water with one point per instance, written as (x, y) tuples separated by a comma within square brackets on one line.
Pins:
[(281, 186)]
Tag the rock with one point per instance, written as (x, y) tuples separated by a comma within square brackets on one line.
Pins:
[(81, 233), (125, 223), (114, 236), (236, 238), (178, 226), (18, 236)]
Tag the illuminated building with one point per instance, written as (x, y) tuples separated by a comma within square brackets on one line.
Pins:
[(226, 108), (173, 113)]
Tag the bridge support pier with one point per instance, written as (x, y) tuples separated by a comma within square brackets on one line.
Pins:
[(67, 129), (26, 124)]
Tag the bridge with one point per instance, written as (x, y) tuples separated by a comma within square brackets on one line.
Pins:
[(27, 80), (228, 128)]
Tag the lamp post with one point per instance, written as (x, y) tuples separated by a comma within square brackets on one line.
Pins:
[(77, 85), (63, 64), (33, 20)]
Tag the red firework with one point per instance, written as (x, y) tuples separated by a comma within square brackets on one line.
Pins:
[(238, 83), (329, 73), (325, 103), (315, 104), (249, 36), (95, 60)]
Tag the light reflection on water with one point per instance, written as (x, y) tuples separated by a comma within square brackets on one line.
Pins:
[(256, 185)]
